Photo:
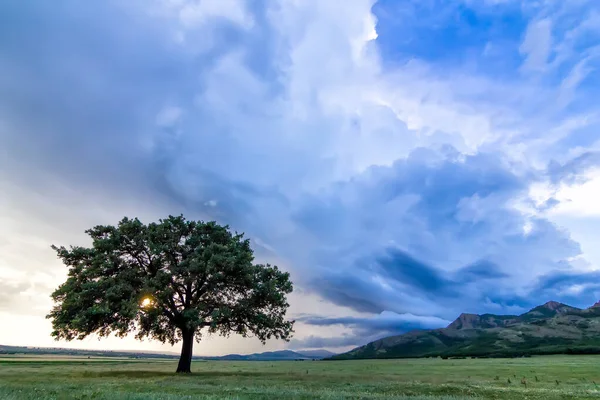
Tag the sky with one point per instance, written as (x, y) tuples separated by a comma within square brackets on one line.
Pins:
[(405, 160)]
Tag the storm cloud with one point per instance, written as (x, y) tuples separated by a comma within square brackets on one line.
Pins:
[(394, 181)]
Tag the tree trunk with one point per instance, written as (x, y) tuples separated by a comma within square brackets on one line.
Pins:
[(185, 361)]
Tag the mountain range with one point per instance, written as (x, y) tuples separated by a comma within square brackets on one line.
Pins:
[(277, 355), (281, 355), (552, 328)]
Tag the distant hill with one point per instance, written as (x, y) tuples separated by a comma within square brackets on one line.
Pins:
[(552, 328), (267, 356), (316, 353), (80, 352), (277, 355)]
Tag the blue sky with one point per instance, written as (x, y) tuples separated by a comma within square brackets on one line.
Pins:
[(405, 160)]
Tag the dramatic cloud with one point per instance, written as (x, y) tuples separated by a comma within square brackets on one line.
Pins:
[(405, 161), (364, 329), (446, 233)]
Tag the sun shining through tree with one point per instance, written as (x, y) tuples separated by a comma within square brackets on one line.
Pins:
[(146, 302), (170, 281)]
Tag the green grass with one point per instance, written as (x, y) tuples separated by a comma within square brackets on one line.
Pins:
[(422, 379)]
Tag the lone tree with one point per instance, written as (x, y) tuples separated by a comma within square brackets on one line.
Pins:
[(170, 281)]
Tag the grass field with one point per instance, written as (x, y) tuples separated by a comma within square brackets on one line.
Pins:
[(556, 377)]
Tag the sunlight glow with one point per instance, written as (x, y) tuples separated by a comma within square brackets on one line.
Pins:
[(146, 302)]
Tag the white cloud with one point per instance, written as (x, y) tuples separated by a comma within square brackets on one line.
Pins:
[(193, 14), (537, 45), (196, 12), (580, 199), (168, 116)]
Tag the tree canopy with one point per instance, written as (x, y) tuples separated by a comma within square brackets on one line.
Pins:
[(171, 281)]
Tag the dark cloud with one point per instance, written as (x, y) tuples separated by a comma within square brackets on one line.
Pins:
[(457, 239), (349, 291), (480, 270), (576, 288), (365, 329), (386, 321), (320, 342), (82, 86), (399, 266), (66, 89)]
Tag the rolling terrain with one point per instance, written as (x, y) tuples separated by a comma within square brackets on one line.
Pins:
[(552, 328), (283, 355)]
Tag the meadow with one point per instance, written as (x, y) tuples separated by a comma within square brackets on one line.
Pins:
[(552, 377)]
